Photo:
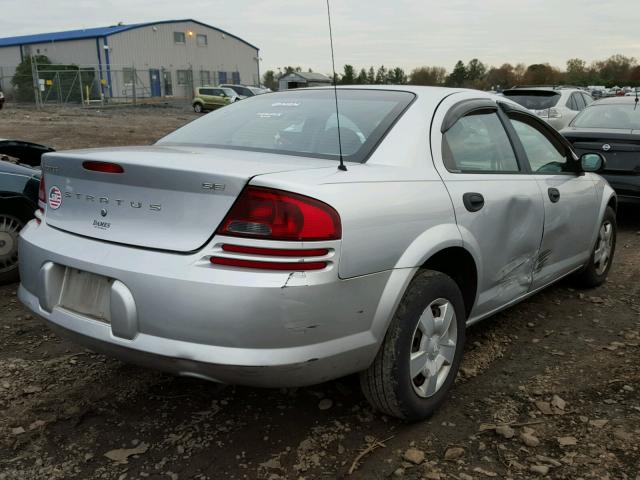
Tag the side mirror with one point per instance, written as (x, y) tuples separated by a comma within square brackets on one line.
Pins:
[(592, 162)]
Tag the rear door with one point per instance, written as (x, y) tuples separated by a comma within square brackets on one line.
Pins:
[(570, 208), (497, 203), (218, 97), (206, 94)]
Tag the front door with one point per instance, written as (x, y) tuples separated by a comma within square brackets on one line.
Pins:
[(497, 203), (154, 82), (570, 206)]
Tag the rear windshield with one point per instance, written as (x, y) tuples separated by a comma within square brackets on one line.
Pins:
[(620, 116), (299, 122), (534, 99)]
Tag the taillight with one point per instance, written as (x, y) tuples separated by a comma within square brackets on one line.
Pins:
[(278, 215), (549, 113), (104, 167), (257, 264), (42, 199), (276, 252)]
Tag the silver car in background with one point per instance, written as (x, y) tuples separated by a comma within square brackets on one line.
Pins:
[(235, 250), (557, 105)]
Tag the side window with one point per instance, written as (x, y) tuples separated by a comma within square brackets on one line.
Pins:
[(588, 99), (179, 37), (478, 143), (571, 103), (543, 155), (579, 101)]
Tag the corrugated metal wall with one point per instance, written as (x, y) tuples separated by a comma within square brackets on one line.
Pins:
[(153, 47), (9, 59), (76, 52)]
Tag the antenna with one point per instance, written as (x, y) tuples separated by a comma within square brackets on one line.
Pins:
[(335, 91)]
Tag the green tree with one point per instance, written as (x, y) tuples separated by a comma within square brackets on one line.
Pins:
[(269, 80), (500, 78), (381, 75), (362, 77), (458, 75), (615, 70), (349, 75), (371, 76), (22, 80), (518, 73), (475, 72), (397, 76), (577, 73), (542, 74), (428, 76)]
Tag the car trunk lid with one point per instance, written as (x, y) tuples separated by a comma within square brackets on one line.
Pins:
[(170, 198), (621, 148)]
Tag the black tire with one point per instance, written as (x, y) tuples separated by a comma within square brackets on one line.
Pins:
[(387, 383), (10, 227), (593, 275), (197, 107)]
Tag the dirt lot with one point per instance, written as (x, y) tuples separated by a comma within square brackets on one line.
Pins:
[(549, 388)]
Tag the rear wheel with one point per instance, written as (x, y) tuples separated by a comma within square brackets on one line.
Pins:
[(422, 350), (595, 273), (197, 107), (10, 227)]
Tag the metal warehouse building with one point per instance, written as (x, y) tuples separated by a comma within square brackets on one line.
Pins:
[(166, 58)]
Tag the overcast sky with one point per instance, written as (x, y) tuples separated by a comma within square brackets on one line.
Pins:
[(372, 32)]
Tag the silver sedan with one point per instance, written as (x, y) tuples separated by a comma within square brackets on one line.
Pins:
[(235, 249)]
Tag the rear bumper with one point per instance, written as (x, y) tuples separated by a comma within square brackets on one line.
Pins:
[(179, 314)]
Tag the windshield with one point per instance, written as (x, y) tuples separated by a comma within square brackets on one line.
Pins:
[(229, 92), (299, 122), (620, 116), (534, 99)]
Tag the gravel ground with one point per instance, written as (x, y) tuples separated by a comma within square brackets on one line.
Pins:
[(549, 388)]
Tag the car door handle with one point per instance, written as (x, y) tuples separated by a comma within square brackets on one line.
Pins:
[(473, 201), (554, 195)]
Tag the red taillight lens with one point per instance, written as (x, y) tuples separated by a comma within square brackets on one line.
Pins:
[(42, 199), (277, 215), (276, 252), (104, 167), (288, 266)]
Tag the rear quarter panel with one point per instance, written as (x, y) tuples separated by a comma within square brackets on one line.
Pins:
[(394, 208)]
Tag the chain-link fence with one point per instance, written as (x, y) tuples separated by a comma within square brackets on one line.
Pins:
[(46, 84)]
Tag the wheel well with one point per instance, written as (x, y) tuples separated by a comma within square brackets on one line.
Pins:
[(457, 263), (19, 207), (613, 203)]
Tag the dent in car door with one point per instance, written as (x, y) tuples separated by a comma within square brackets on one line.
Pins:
[(569, 201), (498, 206)]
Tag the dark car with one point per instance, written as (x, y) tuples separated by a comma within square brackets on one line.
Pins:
[(1, 100), (611, 127), (19, 186)]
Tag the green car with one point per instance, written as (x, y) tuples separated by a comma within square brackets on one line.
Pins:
[(210, 98)]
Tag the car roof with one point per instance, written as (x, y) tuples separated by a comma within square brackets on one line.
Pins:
[(630, 100), (434, 94)]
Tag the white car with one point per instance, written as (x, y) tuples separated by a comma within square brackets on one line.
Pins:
[(265, 245), (557, 105)]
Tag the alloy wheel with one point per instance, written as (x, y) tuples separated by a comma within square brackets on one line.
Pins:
[(602, 253)]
